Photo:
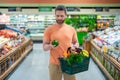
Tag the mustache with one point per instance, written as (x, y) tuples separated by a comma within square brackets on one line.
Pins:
[(60, 20)]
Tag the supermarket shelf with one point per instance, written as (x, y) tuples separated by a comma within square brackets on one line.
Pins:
[(111, 59), (17, 54), (109, 77), (15, 64), (88, 46), (105, 60)]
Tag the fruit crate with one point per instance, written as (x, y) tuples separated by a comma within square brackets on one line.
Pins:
[(75, 68)]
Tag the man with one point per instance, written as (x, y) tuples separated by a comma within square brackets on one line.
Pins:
[(66, 36)]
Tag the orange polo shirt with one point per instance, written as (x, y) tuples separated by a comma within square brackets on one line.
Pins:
[(65, 35)]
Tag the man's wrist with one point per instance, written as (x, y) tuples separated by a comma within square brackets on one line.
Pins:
[(51, 46)]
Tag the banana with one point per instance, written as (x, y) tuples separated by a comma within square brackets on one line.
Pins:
[(85, 53)]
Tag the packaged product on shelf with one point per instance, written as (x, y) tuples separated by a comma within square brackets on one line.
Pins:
[(118, 59), (105, 48), (115, 56), (110, 37), (110, 50)]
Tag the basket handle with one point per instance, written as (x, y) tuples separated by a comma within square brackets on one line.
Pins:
[(76, 49), (69, 50)]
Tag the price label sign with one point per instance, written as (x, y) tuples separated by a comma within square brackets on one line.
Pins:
[(45, 9), (99, 9), (71, 8)]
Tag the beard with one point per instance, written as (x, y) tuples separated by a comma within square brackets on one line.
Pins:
[(60, 21)]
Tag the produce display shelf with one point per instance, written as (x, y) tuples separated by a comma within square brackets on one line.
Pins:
[(9, 61), (4, 41), (111, 65), (103, 69)]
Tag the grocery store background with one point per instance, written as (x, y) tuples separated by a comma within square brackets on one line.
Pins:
[(32, 17)]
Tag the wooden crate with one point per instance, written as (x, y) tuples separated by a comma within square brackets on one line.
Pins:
[(87, 45), (109, 66), (9, 61)]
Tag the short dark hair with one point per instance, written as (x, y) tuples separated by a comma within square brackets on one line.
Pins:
[(61, 8)]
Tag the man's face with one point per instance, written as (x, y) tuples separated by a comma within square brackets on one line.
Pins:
[(60, 17)]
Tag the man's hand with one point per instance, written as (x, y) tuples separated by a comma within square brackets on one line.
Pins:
[(73, 46), (47, 45), (52, 46)]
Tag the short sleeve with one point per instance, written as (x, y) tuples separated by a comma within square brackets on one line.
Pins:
[(46, 36), (74, 38)]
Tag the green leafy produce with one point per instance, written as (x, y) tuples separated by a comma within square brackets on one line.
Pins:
[(80, 36), (55, 43), (74, 58)]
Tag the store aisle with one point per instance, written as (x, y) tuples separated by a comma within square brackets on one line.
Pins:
[(35, 67)]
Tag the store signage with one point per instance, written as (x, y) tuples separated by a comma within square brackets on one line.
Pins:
[(106, 9), (14, 9), (99, 9), (45, 9), (71, 8)]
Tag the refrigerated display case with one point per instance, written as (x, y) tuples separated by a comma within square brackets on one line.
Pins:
[(34, 23)]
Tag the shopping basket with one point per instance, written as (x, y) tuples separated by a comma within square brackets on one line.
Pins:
[(75, 68)]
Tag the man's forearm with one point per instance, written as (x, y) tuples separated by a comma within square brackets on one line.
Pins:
[(46, 47), (75, 44)]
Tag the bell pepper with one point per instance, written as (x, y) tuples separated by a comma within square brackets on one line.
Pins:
[(55, 43)]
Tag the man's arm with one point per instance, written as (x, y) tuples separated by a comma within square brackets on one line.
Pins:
[(47, 46), (75, 44)]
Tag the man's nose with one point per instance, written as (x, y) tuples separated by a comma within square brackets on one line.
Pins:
[(59, 17)]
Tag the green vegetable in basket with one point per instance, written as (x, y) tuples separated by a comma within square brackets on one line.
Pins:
[(74, 58), (55, 43)]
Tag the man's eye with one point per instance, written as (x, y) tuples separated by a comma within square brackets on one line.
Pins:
[(61, 15), (57, 15)]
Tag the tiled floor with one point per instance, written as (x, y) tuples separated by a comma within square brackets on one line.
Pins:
[(35, 67)]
